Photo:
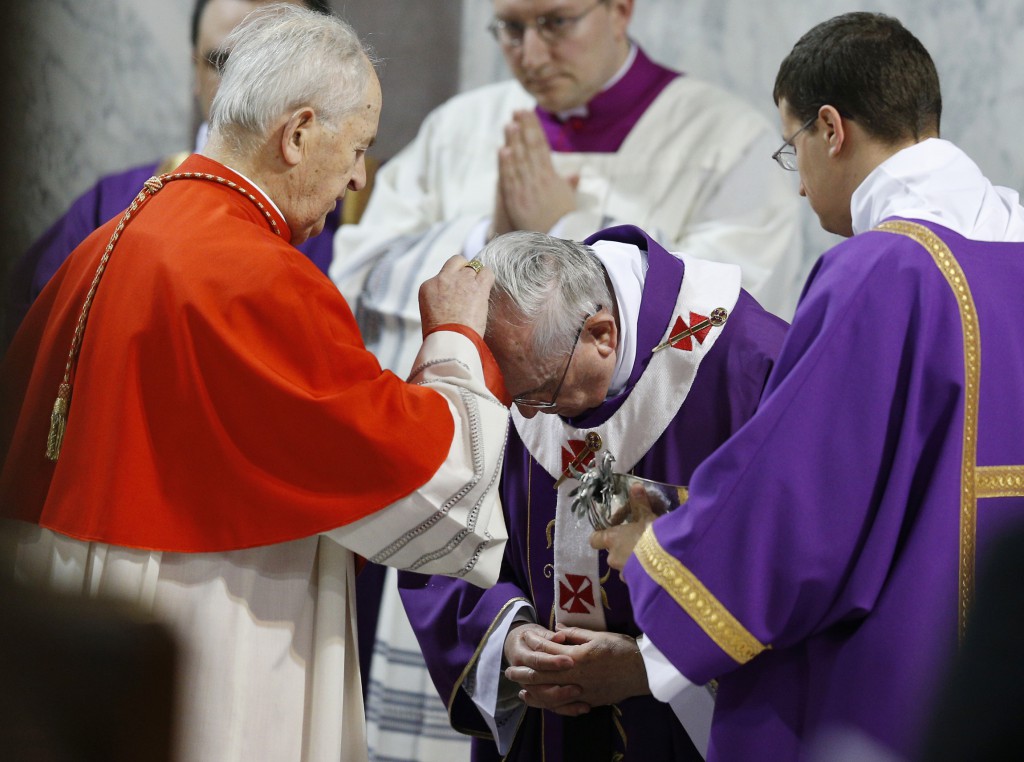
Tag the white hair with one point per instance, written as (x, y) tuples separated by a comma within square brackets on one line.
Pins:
[(552, 283), (283, 56)]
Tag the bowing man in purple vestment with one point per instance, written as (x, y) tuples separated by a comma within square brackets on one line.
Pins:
[(545, 665), (589, 132), (212, 21), (822, 570)]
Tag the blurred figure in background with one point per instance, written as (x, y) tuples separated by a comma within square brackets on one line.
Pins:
[(212, 21)]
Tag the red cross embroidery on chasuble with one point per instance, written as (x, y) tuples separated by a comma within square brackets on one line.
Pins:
[(576, 447), (575, 594), (685, 343)]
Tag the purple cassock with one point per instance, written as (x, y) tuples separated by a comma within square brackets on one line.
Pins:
[(109, 197), (823, 565), (452, 618)]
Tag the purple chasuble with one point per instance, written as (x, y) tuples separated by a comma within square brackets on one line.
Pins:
[(834, 537), (108, 198), (611, 114), (451, 618)]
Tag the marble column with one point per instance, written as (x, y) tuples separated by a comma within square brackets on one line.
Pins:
[(95, 86), (91, 86)]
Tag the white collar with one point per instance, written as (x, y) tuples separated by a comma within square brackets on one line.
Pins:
[(262, 192), (626, 266), (936, 182)]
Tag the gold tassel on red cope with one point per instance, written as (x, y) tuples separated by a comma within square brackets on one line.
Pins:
[(58, 423)]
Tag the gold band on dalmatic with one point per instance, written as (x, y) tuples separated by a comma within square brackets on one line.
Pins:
[(1000, 481), (954, 275), (696, 600), (975, 481)]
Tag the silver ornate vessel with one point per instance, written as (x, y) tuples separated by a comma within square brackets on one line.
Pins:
[(603, 495)]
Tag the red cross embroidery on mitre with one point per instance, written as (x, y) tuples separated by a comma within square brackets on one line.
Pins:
[(576, 446), (685, 343), (576, 597)]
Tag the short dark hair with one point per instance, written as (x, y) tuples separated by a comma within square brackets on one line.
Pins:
[(871, 69), (320, 6)]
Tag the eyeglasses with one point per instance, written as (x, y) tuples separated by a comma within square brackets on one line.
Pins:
[(551, 28), (786, 155), (548, 404)]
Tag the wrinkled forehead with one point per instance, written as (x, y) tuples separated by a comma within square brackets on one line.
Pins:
[(507, 330), (510, 339)]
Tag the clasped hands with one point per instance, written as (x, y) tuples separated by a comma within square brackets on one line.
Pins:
[(570, 670), (531, 195)]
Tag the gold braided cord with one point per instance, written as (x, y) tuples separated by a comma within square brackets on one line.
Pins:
[(62, 406), (1000, 481), (696, 600), (954, 276)]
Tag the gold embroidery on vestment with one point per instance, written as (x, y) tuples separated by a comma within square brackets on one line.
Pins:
[(529, 520), (1000, 481), (696, 600), (617, 719), (954, 275), (604, 593)]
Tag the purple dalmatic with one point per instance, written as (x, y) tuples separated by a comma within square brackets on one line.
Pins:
[(833, 539), (611, 114), (452, 618), (108, 198)]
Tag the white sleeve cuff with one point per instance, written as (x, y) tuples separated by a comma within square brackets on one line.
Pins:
[(496, 697), (692, 704)]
